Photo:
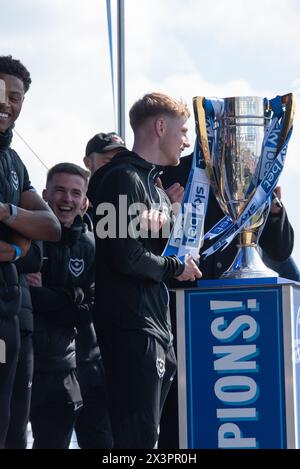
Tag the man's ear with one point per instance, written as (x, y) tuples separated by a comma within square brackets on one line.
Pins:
[(84, 205), (86, 161), (160, 126), (45, 195)]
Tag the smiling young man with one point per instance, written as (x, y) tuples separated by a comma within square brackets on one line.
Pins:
[(65, 191), (62, 297), (131, 305), (23, 216)]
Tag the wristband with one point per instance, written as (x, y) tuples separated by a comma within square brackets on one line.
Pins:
[(13, 212), (18, 251)]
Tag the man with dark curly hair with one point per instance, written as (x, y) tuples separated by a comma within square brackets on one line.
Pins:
[(24, 216)]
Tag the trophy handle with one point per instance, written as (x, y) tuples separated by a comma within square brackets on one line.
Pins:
[(201, 131), (290, 103)]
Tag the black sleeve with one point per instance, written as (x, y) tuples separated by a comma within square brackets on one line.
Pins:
[(33, 260), (127, 254), (49, 299), (277, 238), (26, 182), (83, 311), (58, 304)]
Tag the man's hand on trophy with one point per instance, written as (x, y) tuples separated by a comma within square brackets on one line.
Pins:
[(276, 206), (174, 192), (191, 271), (153, 220)]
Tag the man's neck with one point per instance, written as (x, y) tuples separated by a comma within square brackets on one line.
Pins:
[(148, 153)]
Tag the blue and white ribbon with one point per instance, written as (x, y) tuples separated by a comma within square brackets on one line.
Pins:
[(269, 149), (262, 193), (187, 233)]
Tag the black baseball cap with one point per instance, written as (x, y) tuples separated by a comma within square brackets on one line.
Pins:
[(102, 142)]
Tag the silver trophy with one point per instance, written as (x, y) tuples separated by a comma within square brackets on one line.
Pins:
[(239, 149)]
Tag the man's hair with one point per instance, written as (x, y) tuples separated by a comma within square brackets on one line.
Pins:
[(69, 168), (10, 66), (153, 104)]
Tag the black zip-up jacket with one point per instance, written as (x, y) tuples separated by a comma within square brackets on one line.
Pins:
[(64, 301), (130, 272), (277, 238), (14, 180)]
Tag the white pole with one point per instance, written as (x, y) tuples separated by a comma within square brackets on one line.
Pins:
[(121, 69)]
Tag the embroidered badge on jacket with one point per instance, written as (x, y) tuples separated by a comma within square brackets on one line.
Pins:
[(160, 366), (76, 266), (15, 180)]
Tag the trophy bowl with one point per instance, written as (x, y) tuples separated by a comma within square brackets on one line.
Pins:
[(239, 150)]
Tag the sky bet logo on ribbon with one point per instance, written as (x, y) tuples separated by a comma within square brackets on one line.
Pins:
[(187, 234), (192, 226), (193, 220)]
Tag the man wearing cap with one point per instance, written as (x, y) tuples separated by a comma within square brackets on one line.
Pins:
[(101, 149)]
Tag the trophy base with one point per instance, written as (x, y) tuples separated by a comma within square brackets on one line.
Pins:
[(248, 264)]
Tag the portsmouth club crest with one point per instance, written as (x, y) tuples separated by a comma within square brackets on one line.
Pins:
[(160, 366), (76, 266), (15, 180)]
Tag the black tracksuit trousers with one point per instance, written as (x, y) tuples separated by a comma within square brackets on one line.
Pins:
[(139, 373), (9, 352), (55, 406), (92, 427), (21, 395)]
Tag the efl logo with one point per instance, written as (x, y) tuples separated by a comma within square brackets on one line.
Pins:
[(2, 351)]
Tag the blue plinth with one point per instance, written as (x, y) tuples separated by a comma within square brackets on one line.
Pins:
[(238, 371)]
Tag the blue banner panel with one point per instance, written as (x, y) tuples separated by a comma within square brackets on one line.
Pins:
[(234, 368)]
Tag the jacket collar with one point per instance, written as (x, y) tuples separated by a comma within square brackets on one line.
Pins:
[(5, 139), (71, 234)]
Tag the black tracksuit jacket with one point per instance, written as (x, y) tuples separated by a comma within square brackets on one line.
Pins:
[(130, 272), (64, 302), (14, 180)]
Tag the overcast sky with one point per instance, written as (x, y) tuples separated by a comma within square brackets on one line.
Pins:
[(184, 48)]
